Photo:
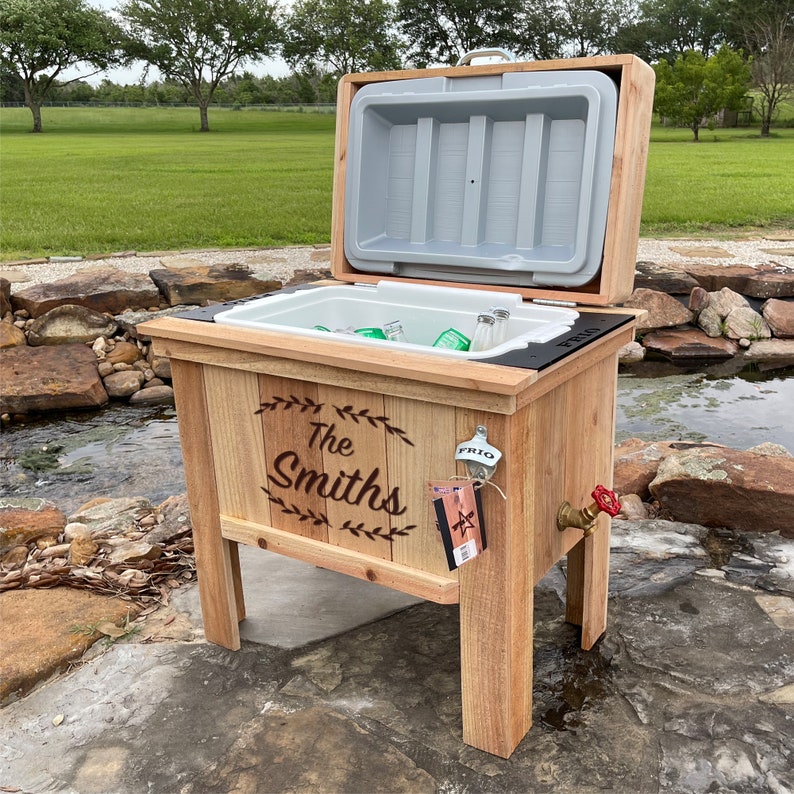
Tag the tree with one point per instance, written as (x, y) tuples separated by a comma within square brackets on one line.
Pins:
[(41, 38), (590, 27), (695, 87), (770, 40), (441, 31), (200, 42), (342, 36), (669, 28)]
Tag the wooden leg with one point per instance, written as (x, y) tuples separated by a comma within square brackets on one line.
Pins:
[(239, 597), (588, 584), (217, 563)]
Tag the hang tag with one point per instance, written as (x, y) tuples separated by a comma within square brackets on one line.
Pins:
[(459, 514), (479, 456)]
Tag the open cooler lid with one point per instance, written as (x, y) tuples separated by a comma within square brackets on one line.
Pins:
[(500, 179), (520, 176)]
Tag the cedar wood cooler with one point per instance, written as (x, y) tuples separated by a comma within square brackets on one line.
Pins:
[(319, 446)]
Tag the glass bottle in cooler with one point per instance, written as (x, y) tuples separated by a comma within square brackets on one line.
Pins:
[(483, 332), (502, 315), (394, 331)]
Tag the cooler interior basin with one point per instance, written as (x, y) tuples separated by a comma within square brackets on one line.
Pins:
[(425, 312), (499, 179)]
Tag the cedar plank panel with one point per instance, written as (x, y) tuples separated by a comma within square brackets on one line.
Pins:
[(238, 446), (432, 457)]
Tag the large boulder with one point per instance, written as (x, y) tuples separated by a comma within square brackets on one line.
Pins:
[(202, 283), (35, 379), (637, 461), (24, 520), (764, 281), (688, 344), (779, 315), (773, 352), (728, 488), (724, 301), (68, 324), (744, 322), (662, 278), (104, 289), (663, 311)]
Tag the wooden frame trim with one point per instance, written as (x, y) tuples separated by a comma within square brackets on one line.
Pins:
[(353, 563)]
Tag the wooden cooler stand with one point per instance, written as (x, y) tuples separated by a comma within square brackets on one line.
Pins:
[(320, 450)]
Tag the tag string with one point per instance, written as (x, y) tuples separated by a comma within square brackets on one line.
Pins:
[(479, 483)]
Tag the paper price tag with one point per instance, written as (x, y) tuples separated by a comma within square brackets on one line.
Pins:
[(458, 509)]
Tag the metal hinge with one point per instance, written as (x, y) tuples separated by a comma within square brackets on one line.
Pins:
[(545, 302)]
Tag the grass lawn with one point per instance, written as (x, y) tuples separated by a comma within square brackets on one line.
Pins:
[(730, 181), (112, 179)]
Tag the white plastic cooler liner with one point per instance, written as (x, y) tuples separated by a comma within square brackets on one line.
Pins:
[(425, 311)]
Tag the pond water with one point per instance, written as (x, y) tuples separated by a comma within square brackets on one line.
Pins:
[(659, 400), (125, 451)]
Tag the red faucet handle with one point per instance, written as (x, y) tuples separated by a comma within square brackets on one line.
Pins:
[(606, 500)]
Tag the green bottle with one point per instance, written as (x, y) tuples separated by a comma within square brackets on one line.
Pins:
[(371, 333), (452, 339)]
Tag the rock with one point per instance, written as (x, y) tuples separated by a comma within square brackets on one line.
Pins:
[(5, 296), (698, 300), (103, 509), (175, 515), (129, 321), (632, 507), (69, 324), (310, 276), (746, 323), (779, 352), (14, 559), (713, 278), (701, 251), (764, 281), (154, 395), (710, 322), (725, 301), (196, 285), (637, 461), (631, 353), (82, 550), (728, 488), (123, 384), (689, 343), (24, 520), (105, 368), (11, 336), (770, 284), (123, 353), (152, 382), (770, 448), (104, 289), (663, 278), (779, 315), (49, 379), (135, 552), (663, 310), (161, 367), (44, 640)]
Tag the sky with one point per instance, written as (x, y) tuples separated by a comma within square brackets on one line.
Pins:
[(275, 67)]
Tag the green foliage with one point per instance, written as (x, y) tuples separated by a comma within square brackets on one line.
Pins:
[(39, 39), (695, 87), (443, 31), (341, 35), (200, 42)]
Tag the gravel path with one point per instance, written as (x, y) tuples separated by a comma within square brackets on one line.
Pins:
[(281, 263)]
